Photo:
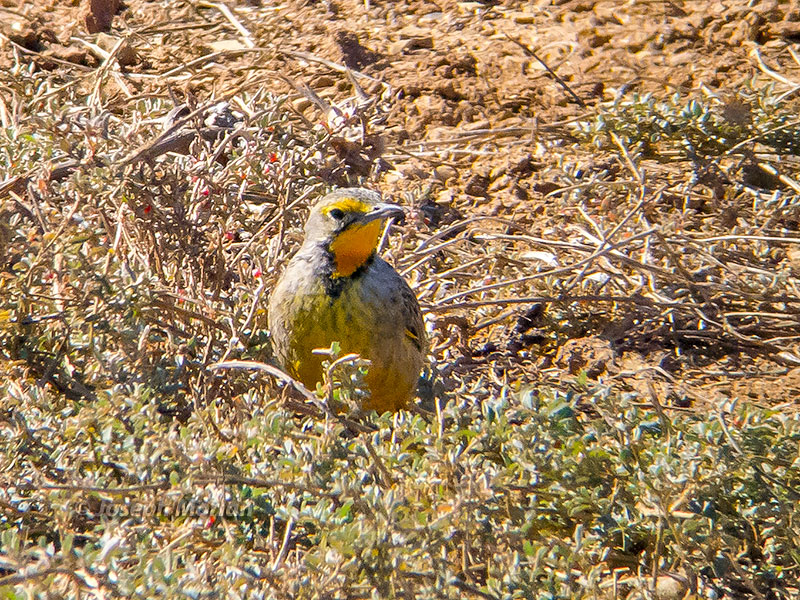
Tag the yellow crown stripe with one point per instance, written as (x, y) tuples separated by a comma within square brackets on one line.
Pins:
[(348, 205)]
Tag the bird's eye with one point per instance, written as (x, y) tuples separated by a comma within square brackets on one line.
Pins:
[(336, 213)]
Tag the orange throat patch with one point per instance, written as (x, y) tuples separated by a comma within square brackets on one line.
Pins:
[(354, 245)]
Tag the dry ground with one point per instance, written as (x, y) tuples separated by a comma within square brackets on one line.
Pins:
[(600, 193), (468, 116)]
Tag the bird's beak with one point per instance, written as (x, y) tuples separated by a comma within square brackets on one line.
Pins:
[(384, 210)]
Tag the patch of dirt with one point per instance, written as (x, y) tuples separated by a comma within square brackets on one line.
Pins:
[(463, 89)]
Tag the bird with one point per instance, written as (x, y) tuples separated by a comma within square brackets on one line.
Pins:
[(337, 289)]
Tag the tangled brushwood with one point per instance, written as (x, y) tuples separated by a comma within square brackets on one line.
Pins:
[(609, 279)]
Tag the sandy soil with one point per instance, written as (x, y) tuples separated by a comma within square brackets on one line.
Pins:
[(472, 100)]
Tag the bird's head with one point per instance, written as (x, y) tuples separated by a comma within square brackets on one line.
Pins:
[(349, 223)]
